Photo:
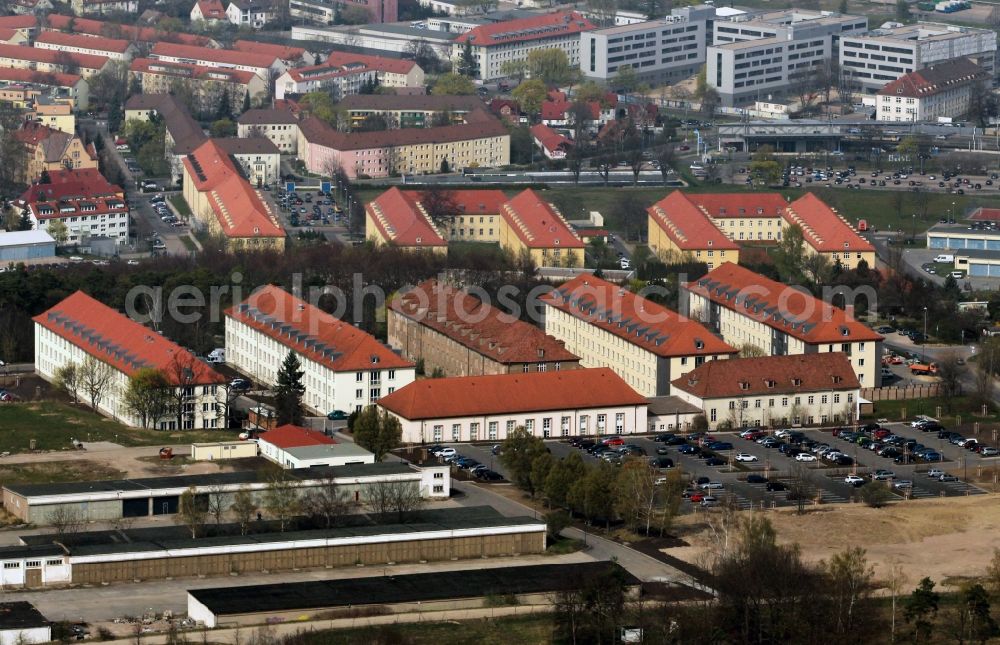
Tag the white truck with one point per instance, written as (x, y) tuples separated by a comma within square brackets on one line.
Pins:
[(945, 257), (217, 355)]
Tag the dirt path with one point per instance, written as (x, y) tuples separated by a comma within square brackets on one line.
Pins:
[(941, 538), (128, 459)]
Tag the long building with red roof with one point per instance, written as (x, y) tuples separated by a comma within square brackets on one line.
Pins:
[(489, 408), (47, 60), (261, 64), (493, 44), (647, 344), (110, 348), (113, 48), (103, 29), (222, 198), (827, 233), (396, 218), (207, 84), (748, 309), (455, 332), (679, 230), (344, 367), (533, 226)]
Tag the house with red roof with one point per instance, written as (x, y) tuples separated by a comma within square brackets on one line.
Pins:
[(827, 233), (21, 86), (574, 403), (345, 368), (532, 226), (261, 64), (679, 231), (27, 25), (113, 48), (10, 36), (453, 331), (49, 149), (208, 11), (552, 144), (647, 344), (774, 391), (111, 348), (942, 89), (83, 201), (292, 446), (495, 43), (290, 56), (206, 84), (222, 199), (748, 309), (396, 218), (49, 61), (343, 74)]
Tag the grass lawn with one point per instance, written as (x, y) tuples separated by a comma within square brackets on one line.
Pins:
[(180, 204), (52, 425), (188, 243), (58, 471), (528, 629), (960, 405)]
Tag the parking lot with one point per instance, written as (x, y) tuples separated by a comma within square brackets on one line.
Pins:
[(824, 482)]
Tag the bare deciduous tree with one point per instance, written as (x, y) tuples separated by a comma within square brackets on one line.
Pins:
[(399, 498), (243, 508), (327, 502), (95, 376)]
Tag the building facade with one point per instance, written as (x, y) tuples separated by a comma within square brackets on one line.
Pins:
[(939, 90), (757, 57), (208, 85), (83, 202), (773, 391), (263, 65), (292, 446), (883, 55), (494, 44), (345, 368), (679, 231), (49, 150), (456, 333), (49, 61), (660, 51), (748, 310), (112, 48), (396, 218), (279, 126), (645, 343), (410, 111), (109, 348), (324, 12), (345, 74), (489, 408), (257, 156)]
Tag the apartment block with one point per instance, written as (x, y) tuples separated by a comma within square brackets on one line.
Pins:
[(396, 218), (410, 110), (452, 330), (344, 367), (280, 127), (941, 90), (102, 29), (531, 226), (48, 149), (773, 391), (112, 48), (263, 65), (660, 51), (49, 61), (645, 343), (83, 201), (757, 57), (344, 74), (883, 55), (748, 309), (494, 44), (21, 87), (84, 332), (678, 231), (208, 85), (324, 12), (827, 233)]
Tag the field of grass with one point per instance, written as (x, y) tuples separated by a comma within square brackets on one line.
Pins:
[(533, 630), (188, 243), (51, 425), (961, 406), (58, 471), (180, 204)]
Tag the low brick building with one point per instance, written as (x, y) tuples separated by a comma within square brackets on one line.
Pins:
[(457, 333)]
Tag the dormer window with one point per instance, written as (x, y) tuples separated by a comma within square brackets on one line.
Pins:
[(699, 344), (796, 382), (837, 379), (769, 383), (744, 385)]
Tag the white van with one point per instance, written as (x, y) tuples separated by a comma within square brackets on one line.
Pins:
[(217, 355), (944, 257)]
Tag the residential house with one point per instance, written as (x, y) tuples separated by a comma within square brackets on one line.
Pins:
[(207, 85), (345, 73), (265, 66), (209, 11), (281, 127), (48, 61), (83, 201), (553, 145), (32, 83), (251, 13), (549, 405), (645, 343), (47, 149)]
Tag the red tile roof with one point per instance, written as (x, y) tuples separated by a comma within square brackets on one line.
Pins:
[(207, 54), (823, 228), (68, 184), (212, 10), (399, 218), (284, 52), (559, 23), (7, 34), (780, 306), (727, 205), (341, 63), (187, 70), (313, 333), (688, 226), (240, 210), (474, 202), (289, 436), (508, 394), (41, 78), (82, 41), (740, 377), (119, 341), (320, 133), (103, 29), (483, 329), (537, 222), (557, 110), (52, 57), (635, 319), (549, 138), (18, 22), (935, 78)]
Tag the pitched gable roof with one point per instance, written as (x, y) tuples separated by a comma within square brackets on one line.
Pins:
[(119, 341), (292, 436), (284, 52), (822, 227), (104, 29), (509, 394), (82, 41), (313, 333), (688, 226), (549, 138), (52, 56), (221, 56), (635, 319), (739, 377), (934, 79), (780, 306), (478, 326), (400, 219), (727, 205), (526, 29), (537, 222)]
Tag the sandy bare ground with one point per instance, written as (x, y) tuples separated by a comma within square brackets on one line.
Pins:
[(941, 538), (136, 462)]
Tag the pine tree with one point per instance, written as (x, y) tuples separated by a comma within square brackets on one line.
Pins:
[(24, 224), (289, 390), (246, 102), (224, 111)]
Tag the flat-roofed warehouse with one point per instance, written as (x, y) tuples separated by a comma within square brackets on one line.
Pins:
[(162, 552), (115, 499), (467, 589)]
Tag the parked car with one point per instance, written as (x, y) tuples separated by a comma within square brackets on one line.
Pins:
[(447, 452), (754, 478), (239, 384), (712, 486), (903, 484), (805, 456), (661, 462), (715, 461), (947, 478), (337, 415), (854, 480), (744, 456), (775, 486), (988, 451)]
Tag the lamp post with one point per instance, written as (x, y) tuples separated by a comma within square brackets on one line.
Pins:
[(951, 216), (923, 349)]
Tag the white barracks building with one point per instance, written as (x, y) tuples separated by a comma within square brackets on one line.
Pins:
[(746, 308), (345, 368)]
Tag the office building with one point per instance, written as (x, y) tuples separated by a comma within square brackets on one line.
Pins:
[(940, 90)]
